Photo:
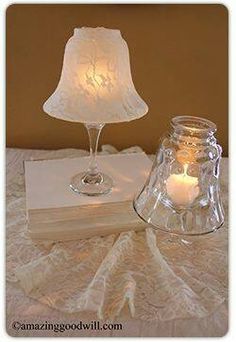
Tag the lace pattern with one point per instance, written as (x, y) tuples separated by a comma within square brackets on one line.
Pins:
[(156, 277), (96, 78)]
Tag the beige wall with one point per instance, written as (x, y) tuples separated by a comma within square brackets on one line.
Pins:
[(178, 60)]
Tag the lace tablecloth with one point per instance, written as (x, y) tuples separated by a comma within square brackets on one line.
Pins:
[(154, 284)]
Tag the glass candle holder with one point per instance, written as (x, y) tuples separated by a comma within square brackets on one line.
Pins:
[(182, 192)]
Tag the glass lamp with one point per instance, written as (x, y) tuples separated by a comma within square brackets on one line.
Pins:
[(182, 192), (95, 88)]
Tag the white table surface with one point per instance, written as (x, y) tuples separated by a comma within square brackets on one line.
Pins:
[(21, 307)]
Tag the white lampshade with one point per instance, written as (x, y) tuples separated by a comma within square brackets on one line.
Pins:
[(96, 84)]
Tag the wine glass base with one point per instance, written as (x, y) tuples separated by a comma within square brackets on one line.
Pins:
[(91, 186)]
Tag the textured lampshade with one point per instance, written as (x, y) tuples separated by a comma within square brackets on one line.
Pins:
[(96, 83)]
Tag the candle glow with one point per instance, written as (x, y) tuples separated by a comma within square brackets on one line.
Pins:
[(182, 188)]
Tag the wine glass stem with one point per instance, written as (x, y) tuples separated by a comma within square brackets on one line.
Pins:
[(94, 131)]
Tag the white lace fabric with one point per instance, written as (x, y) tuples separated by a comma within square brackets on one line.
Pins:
[(156, 277)]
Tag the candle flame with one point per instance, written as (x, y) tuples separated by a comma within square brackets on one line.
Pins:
[(185, 169)]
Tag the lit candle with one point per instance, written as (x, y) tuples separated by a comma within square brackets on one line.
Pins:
[(182, 188)]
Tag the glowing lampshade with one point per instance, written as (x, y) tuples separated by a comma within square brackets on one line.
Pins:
[(96, 84)]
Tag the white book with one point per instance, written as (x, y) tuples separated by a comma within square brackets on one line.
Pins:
[(55, 212)]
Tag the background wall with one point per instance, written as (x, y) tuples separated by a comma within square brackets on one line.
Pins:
[(178, 59)]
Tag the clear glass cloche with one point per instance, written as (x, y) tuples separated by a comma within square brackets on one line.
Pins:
[(182, 192)]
